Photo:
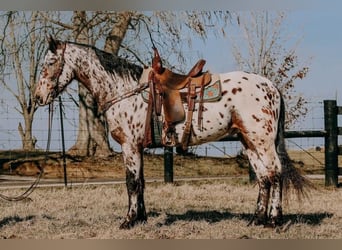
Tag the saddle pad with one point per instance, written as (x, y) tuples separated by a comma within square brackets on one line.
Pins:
[(212, 92)]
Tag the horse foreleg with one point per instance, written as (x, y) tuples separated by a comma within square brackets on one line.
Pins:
[(135, 187)]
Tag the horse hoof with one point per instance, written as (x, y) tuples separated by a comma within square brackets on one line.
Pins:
[(126, 225), (269, 225), (275, 222), (256, 221)]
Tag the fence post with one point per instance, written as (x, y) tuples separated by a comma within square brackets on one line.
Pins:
[(63, 141), (251, 174), (168, 164), (331, 144)]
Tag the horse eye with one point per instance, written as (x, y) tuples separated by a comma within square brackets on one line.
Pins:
[(52, 62)]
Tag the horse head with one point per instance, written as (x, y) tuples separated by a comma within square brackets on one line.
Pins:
[(54, 75)]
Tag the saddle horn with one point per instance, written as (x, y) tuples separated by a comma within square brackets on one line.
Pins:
[(157, 62)]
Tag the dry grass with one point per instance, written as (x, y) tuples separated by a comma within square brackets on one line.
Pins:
[(219, 209), (311, 161), (200, 210)]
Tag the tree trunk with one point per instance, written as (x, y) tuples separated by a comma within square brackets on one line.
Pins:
[(118, 32), (25, 98), (92, 138), (28, 141)]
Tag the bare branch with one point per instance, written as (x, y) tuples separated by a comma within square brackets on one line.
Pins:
[(268, 56), (56, 22)]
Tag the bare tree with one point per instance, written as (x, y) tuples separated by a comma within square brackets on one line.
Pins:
[(262, 47), (21, 50), (173, 33)]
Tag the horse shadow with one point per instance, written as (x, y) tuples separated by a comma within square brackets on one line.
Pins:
[(215, 216), (14, 219)]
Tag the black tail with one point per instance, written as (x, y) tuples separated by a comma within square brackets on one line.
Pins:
[(290, 176)]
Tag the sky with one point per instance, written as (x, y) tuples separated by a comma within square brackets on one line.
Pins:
[(321, 38), (320, 35)]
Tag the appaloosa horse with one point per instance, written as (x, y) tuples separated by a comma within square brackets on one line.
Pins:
[(251, 106)]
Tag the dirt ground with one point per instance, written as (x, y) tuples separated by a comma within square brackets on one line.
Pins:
[(84, 168), (112, 167)]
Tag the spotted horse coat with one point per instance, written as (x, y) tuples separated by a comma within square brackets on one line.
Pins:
[(251, 106)]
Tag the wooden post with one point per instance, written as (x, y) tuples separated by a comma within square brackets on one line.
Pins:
[(168, 164), (251, 174), (331, 144)]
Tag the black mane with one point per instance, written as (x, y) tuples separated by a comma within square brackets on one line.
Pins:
[(115, 64)]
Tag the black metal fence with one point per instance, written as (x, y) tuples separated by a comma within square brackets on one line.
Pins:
[(330, 135)]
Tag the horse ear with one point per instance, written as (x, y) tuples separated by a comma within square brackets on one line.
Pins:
[(156, 62), (52, 44)]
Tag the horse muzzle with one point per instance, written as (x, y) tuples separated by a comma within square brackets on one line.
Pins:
[(43, 99)]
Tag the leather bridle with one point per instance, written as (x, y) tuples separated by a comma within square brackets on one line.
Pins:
[(55, 78)]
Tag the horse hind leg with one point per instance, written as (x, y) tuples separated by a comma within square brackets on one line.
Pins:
[(267, 167), (276, 213), (273, 164), (260, 215)]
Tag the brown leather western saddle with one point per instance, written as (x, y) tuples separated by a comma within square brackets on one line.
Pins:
[(168, 91)]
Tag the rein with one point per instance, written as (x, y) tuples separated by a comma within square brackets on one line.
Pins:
[(34, 185), (130, 93)]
